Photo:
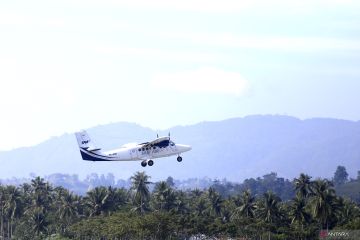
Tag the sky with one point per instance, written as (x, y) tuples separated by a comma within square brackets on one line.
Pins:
[(70, 65)]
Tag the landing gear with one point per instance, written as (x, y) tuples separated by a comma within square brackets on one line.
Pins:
[(179, 159), (147, 162)]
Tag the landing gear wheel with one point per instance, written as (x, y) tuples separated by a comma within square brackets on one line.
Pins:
[(179, 159), (150, 163), (143, 163)]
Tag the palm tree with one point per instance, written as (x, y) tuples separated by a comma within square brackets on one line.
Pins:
[(140, 182), (227, 210), (13, 205), (303, 185), (96, 200), (68, 208), (41, 193), (38, 184), (246, 206), (268, 210), (25, 191), (200, 207), (181, 205), (324, 202), (2, 212), (116, 198), (216, 202), (349, 211), (164, 196), (298, 213), (38, 222)]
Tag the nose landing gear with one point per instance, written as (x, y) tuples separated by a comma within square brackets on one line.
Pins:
[(179, 159)]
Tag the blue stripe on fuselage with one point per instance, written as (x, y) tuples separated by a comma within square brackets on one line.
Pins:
[(88, 157)]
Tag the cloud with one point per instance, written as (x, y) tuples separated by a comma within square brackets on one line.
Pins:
[(15, 19), (203, 80), (212, 6), (156, 54), (215, 6), (281, 43)]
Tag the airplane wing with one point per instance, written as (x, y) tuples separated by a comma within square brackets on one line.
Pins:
[(160, 142), (160, 139)]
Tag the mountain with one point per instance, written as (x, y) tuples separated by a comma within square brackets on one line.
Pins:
[(235, 149)]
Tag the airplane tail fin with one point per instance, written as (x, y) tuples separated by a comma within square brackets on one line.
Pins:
[(85, 142)]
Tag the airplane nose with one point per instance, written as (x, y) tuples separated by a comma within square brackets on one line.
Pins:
[(183, 148)]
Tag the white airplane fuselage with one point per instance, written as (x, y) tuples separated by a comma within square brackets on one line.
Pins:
[(135, 153), (158, 148)]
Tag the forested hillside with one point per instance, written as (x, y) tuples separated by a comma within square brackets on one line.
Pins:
[(235, 149)]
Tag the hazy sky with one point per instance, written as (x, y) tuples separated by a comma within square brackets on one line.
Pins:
[(69, 65)]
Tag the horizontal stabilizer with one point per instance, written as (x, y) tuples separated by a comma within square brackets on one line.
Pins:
[(93, 149)]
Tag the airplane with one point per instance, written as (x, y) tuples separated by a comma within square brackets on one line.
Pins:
[(158, 148)]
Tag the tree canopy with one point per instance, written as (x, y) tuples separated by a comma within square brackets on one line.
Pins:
[(340, 175), (39, 210)]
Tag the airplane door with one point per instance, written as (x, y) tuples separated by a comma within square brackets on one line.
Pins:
[(133, 153)]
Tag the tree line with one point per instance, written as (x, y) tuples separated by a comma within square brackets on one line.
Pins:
[(38, 210)]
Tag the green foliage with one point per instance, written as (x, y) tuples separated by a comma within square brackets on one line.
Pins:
[(268, 208), (353, 224), (245, 206), (141, 196), (269, 182), (350, 190), (340, 176), (163, 197), (303, 186), (40, 211), (155, 225), (325, 205)]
